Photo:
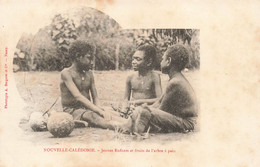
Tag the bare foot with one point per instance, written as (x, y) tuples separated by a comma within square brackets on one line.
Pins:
[(141, 118), (79, 123), (125, 127)]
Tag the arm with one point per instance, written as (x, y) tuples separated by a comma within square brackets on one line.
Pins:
[(128, 88), (67, 79), (93, 91), (157, 103), (157, 86), (169, 97), (95, 99), (127, 96), (176, 98)]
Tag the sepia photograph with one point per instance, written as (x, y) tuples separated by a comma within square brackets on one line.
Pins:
[(84, 78), (129, 83)]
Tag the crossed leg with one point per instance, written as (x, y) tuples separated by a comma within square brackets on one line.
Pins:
[(116, 122), (159, 121)]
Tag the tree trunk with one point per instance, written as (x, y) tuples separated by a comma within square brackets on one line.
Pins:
[(94, 63), (117, 57)]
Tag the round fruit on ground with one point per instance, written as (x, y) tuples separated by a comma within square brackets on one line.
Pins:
[(60, 124), (38, 122)]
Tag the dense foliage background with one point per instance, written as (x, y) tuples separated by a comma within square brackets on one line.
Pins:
[(47, 50)]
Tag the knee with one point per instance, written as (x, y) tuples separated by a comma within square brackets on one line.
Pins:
[(88, 115)]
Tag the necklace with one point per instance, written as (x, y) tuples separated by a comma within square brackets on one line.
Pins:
[(83, 78)]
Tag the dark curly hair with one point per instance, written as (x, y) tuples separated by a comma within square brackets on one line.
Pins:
[(149, 53), (179, 56), (81, 47)]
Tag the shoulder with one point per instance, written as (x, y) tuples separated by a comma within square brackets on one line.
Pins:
[(130, 77), (179, 83), (65, 73), (178, 79), (175, 83), (156, 75)]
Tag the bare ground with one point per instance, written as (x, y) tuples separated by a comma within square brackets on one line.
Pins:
[(40, 89)]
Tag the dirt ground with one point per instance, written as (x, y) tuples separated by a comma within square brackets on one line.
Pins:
[(40, 89)]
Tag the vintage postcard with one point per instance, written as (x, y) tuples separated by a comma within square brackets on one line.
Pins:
[(129, 83)]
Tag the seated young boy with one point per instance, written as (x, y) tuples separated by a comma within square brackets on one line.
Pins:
[(176, 110), (144, 86), (77, 83)]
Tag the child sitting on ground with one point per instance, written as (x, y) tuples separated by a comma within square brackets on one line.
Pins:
[(77, 83), (176, 110), (144, 86)]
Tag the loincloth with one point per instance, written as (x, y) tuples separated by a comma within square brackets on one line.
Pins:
[(75, 112), (162, 122)]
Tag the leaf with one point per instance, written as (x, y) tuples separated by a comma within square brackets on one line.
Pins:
[(59, 26), (21, 55), (55, 33), (61, 40)]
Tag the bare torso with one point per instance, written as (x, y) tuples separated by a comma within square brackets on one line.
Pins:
[(143, 87), (82, 82), (179, 98)]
